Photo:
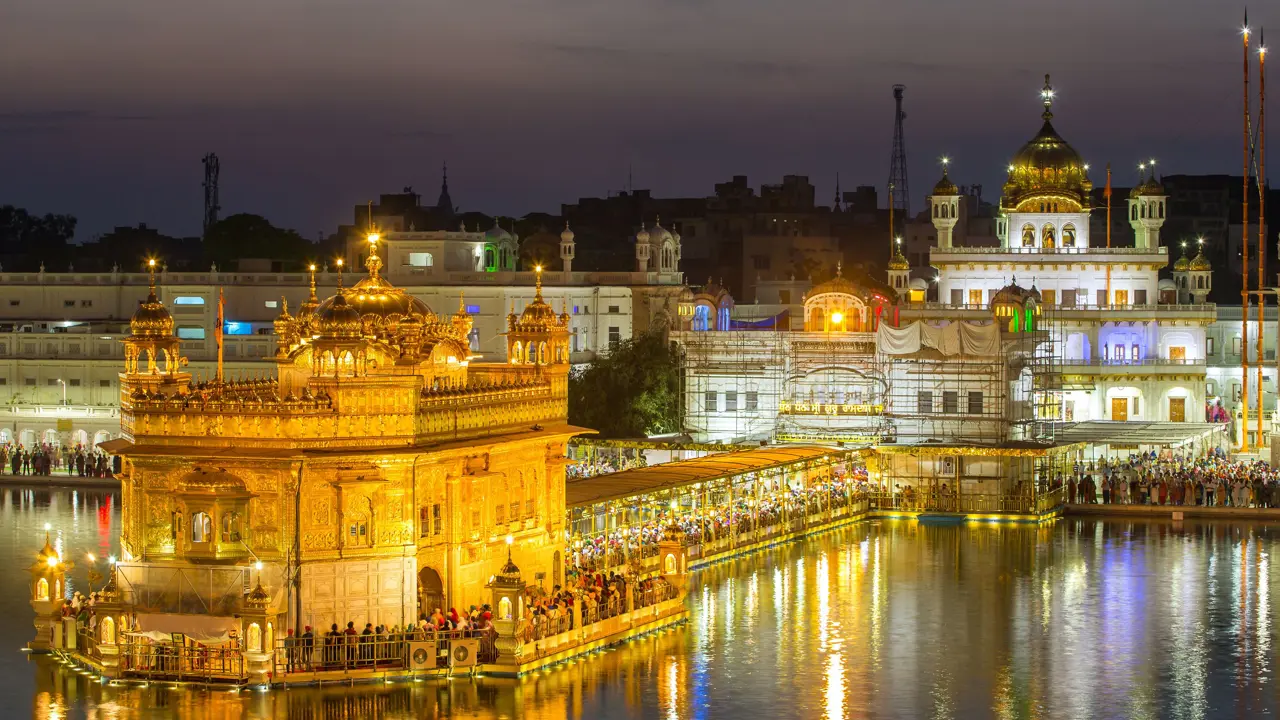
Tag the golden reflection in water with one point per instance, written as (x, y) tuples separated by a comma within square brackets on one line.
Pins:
[(1083, 618), (833, 693)]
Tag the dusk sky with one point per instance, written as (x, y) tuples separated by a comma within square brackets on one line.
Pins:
[(314, 106)]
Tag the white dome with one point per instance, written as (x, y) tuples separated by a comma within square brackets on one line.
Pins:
[(642, 237), (919, 284), (1166, 284), (566, 235), (496, 233), (659, 235)]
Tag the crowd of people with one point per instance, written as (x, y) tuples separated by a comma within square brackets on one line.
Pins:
[(1209, 480), (745, 514), (591, 467), (46, 459), (386, 645)]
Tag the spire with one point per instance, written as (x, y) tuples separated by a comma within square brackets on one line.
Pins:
[(312, 270), (462, 302), (151, 269), (339, 263), (839, 267), (445, 203), (1046, 94), (835, 205), (537, 270)]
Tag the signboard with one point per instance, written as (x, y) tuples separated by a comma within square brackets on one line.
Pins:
[(787, 407), (64, 425)]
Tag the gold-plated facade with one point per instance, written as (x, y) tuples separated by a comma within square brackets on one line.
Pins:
[(376, 474)]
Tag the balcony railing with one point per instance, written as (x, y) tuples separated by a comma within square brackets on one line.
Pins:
[(1049, 251), (1083, 307), (1141, 362)]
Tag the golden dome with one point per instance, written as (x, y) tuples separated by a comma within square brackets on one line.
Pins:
[(336, 318), (1047, 169), (1148, 188), (1182, 264), (537, 316), (945, 186), (372, 301), (1014, 294), (152, 318), (899, 261), (1200, 262)]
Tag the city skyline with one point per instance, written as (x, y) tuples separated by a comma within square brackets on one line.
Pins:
[(539, 105)]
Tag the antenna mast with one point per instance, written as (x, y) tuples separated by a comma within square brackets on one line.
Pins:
[(899, 192), (211, 206)]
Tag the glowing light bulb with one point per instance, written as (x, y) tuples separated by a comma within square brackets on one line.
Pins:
[(374, 238), (91, 557), (53, 561), (837, 317), (257, 565)]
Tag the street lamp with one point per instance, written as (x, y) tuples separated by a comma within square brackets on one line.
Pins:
[(63, 383)]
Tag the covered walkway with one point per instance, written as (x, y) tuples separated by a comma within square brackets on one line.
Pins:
[(720, 502)]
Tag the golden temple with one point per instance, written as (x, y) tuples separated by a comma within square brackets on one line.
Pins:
[(376, 475)]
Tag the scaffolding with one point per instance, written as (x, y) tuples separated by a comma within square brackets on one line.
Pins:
[(980, 400), (731, 383)]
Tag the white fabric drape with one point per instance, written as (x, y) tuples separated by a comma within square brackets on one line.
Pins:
[(898, 341), (979, 339), (952, 339)]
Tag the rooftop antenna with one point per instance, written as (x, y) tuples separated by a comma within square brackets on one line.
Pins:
[(211, 206), (899, 191)]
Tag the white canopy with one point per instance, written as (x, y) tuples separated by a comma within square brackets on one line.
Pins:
[(204, 629)]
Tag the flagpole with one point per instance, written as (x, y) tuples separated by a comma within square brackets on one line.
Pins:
[(218, 332), (1262, 215)]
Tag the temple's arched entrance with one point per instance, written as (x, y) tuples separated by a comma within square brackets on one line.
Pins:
[(430, 591)]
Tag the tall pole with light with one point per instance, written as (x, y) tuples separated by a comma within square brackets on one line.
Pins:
[(1262, 217), (1244, 244)]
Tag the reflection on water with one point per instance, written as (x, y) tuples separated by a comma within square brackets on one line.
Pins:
[(1081, 618)]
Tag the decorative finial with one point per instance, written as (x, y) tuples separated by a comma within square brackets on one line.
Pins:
[(312, 269), (151, 269), (462, 303), (284, 305), (839, 267), (373, 262), (537, 269), (1046, 94), (339, 263)]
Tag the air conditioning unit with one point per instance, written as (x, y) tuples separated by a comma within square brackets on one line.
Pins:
[(462, 653), (422, 655)]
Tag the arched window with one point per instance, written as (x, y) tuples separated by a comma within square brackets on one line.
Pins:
[(1133, 212), (1028, 235), (269, 640), (1161, 209), (230, 526), (701, 317), (516, 354), (489, 259), (1068, 235), (253, 638), (1047, 236), (107, 631), (42, 589), (201, 527)]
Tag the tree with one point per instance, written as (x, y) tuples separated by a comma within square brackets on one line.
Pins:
[(243, 236), (632, 392), (27, 240)]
